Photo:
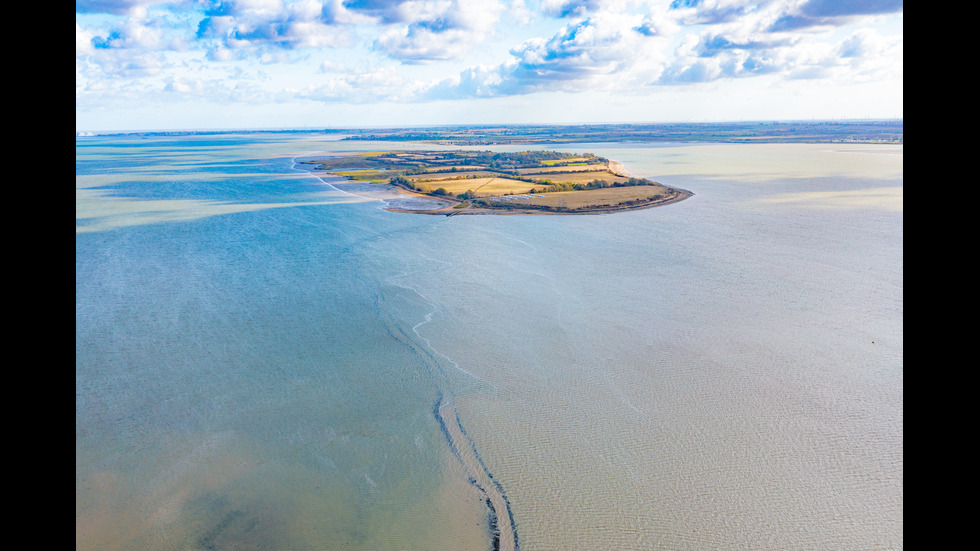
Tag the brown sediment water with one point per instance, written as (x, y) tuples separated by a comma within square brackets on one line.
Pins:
[(724, 375), (502, 526)]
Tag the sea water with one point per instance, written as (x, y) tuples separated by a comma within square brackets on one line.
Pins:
[(261, 357)]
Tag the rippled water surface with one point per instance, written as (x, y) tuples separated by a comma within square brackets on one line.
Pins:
[(265, 361)]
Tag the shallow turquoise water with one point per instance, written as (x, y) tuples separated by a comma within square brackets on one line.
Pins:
[(259, 355)]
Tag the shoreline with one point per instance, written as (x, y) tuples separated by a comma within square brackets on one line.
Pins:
[(454, 209), (566, 192)]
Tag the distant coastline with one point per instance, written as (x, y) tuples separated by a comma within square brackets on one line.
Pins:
[(889, 131), (844, 131)]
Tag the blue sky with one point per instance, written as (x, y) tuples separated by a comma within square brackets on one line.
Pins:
[(235, 64)]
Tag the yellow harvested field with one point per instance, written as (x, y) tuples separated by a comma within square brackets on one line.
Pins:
[(553, 169), (578, 177), (603, 197), (484, 187), (460, 168), (503, 186), (569, 160), (429, 177)]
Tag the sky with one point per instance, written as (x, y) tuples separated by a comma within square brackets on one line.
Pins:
[(145, 65)]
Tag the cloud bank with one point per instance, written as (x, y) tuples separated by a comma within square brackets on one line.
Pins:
[(363, 51)]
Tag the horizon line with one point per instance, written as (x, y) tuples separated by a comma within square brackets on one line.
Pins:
[(88, 133)]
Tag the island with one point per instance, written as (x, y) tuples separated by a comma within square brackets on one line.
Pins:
[(486, 182)]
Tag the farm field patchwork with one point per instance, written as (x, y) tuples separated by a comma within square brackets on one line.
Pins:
[(526, 182)]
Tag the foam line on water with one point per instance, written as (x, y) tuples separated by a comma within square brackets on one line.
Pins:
[(428, 319), (503, 530)]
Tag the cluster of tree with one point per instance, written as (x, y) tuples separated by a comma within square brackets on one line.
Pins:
[(553, 208), (531, 157), (511, 206), (630, 203), (505, 163), (524, 158), (443, 177), (417, 169), (597, 183), (636, 182), (585, 168), (442, 192), (404, 182)]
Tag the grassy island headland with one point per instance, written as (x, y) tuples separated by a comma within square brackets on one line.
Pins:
[(484, 182)]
